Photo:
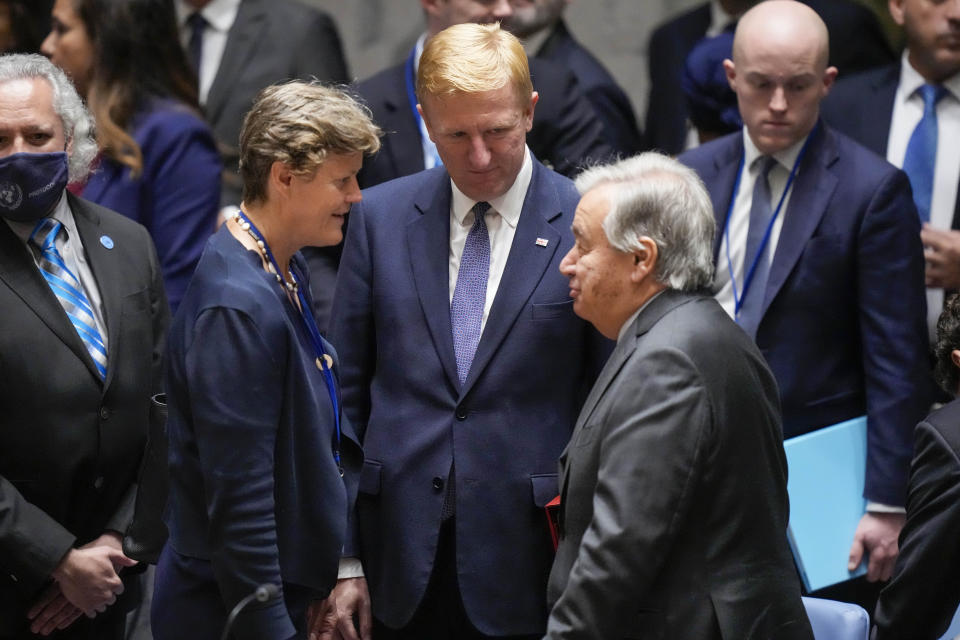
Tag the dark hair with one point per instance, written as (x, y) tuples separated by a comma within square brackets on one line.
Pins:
[(711, 102), (137, 56), (948, 339), (29, 24)]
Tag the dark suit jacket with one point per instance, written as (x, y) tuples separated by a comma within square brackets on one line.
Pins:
[(270, 41), (607, 98), (844, 311), (70, 444), (253, 484), (921, 598), (566, 132), (856, 43), (176, 197), (674, 490), (505, 427), (861, 106)]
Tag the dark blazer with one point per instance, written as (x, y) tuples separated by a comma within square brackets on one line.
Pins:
[(70, 444), (921, 598), (566, 132), (269, 42), (505, 427), (177, 195), (844, 312), (673, 510), (861, 106), (856, 43), (254, 488), (608, 99)]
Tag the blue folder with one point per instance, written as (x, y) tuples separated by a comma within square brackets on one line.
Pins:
[(825, 483)]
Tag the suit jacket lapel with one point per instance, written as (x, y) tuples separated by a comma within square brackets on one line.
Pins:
[(811, 192), (240, 48), (105, 270), (881, 105), (726, 166), (403, 144), (525, 267), (20, 273), (428, 240)]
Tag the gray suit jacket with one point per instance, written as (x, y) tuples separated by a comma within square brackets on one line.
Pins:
[(674, 490), (269, 42)]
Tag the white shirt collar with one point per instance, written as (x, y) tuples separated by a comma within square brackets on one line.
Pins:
[(219, 14), (785, 157), (509, 205), (719, 19), (911, 80)]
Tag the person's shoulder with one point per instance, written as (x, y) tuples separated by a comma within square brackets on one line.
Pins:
[(696, 19), (945, 422), (293, 12), (166, 118), (111, 222), (705, 153), (401, 191), (385, 84), (859, 160)]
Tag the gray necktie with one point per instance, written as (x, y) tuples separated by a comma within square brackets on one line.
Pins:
[(761, 210)]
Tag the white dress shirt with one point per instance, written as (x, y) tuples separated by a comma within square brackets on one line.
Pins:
[(907, 112), (502, 219), (731, 258), (71, 250), (220, 16)]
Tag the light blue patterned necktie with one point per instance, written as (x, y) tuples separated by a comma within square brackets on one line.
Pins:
[(66, 286), (920, 159), (470, 294)]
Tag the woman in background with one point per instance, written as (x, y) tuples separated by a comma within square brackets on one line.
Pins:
[(262, 470), (159, 164)]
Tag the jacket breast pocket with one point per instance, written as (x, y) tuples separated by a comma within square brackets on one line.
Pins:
[(551, 310)]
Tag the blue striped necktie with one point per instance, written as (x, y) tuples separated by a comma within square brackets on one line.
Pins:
[(66, 286)]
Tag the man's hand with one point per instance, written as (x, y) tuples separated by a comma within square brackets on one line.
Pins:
[(353, 599), (322, 619), (877, 534), (941, 249), (52, 611), (88, 577)]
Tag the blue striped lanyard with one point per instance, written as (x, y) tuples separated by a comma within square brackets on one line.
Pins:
[(306, 314), (761, 250)]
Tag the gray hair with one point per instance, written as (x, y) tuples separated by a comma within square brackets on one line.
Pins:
[(77, 122), (658, 197)]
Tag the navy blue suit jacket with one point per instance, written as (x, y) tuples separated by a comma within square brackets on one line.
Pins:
[(843, 326), (506, 426), (566, 133), (599, 87), (861, 106), (253, 484), (177, 195), (856, 43)]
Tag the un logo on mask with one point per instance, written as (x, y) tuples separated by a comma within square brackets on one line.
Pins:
[(10, 196)]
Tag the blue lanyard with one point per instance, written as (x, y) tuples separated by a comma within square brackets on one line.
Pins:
[(411, 92), (306, 314), (761, 250)]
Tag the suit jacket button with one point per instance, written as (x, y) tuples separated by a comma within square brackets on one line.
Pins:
[(461, 413), (438, 483), (104, 413), (98, 483)]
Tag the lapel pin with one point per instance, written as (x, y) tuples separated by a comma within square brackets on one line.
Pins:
[(542, 242), (106, 241)]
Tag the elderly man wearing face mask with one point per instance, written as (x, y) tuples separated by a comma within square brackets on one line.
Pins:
[(84, 315)]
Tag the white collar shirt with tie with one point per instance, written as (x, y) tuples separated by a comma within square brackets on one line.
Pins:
[(502, 220), (907, 112), (739, 222), (220, 16)]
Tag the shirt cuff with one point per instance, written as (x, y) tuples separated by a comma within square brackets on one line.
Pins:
[(875, 507), (350, 568)]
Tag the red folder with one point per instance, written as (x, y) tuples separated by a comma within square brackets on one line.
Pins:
[(553, 520)]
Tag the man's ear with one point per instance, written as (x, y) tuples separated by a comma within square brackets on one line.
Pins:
[(731, 71), (644, 259)]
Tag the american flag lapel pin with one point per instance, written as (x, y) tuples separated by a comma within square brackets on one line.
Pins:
[(542, 242)]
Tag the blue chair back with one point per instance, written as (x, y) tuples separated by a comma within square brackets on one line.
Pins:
[(833, 620)]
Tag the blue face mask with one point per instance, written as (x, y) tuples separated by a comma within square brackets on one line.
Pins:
[(31, 184)]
